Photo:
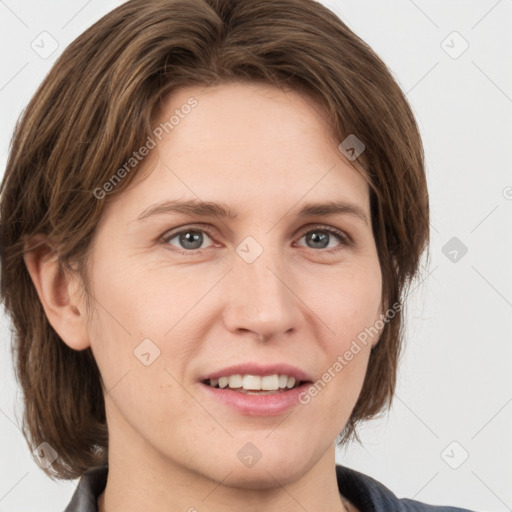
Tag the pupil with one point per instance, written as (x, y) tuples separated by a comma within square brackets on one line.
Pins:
[(315, 237), (186, 239)]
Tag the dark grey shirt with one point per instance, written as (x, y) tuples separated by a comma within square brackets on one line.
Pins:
[(363, 491)]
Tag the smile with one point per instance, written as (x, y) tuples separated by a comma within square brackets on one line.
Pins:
[(254, 383), (255, 402)]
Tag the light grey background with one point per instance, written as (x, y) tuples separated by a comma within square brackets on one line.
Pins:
[(454, 396)]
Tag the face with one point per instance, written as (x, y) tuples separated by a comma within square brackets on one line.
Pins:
[(273, 289)]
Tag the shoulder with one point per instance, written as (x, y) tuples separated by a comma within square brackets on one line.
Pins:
[(369, 495)]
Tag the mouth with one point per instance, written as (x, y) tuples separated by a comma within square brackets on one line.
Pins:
[(256, 384), (256, 391), (253, 389)]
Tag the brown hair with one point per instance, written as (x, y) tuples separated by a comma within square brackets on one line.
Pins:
[(95, 108)]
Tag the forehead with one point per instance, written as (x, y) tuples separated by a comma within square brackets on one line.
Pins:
[(250, 143), (246, 114)]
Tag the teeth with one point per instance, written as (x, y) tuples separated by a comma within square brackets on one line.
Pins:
[(235, 381), (255, 382), (252, 382), (270, 382)]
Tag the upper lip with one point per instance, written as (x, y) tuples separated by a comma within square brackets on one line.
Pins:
[(261, 370)]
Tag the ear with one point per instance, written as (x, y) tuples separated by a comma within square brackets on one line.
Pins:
[(378, 317), (395, 265), (59, 294), (384, 307)]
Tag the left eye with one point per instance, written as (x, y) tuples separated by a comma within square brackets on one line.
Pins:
[(192, 239), (323, 235)]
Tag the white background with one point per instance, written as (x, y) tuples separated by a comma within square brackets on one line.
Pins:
[(455, 381)]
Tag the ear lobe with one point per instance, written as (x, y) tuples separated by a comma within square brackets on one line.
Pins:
[(381, 314), (396, 268), (384, 306), (57, 293), (378, 317)]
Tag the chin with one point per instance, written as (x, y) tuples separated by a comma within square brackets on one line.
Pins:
[(266, 477), (268, 472)]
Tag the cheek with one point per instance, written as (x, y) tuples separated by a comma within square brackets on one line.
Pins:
[(130, 302), (352, 301), (346, 355), (351, 309), (141, 336)]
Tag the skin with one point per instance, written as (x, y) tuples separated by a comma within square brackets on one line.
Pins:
[(264, 153)]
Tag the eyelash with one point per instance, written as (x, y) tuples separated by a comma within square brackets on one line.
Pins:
[(343, 238)]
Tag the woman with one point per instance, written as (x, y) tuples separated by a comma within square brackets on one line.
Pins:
[(210, 215)]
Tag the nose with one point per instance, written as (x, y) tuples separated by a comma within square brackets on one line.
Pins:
[(260, 297)]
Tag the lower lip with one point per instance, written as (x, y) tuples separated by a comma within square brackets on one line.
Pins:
[(257, 405)]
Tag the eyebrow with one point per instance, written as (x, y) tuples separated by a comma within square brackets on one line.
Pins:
[(220, 210)]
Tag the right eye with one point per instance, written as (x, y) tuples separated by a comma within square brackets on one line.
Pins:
[(188, 240)]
